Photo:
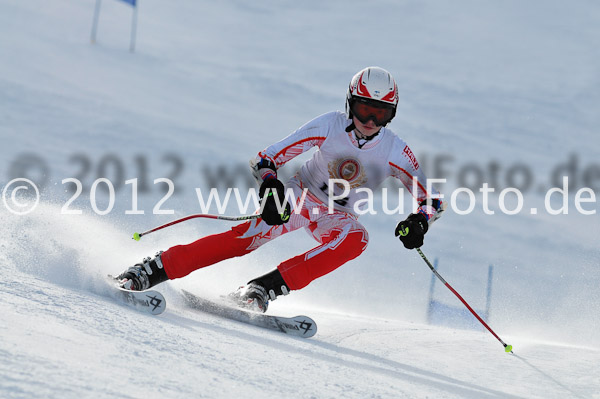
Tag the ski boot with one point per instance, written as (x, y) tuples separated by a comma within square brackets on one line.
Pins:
[(256, 294), (143, 275)]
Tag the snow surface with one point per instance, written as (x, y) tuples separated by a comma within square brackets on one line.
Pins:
[(212, 83)]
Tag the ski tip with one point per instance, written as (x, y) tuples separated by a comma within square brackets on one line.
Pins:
[(148, 301), (306, 326)]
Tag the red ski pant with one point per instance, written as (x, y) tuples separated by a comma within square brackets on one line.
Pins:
[(340, 235)]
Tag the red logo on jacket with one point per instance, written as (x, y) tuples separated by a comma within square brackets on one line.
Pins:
[(409, 154)]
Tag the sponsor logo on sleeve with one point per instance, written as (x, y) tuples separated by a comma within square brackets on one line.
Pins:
[(411, 157)]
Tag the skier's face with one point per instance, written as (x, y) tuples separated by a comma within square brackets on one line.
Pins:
[(366, 129)]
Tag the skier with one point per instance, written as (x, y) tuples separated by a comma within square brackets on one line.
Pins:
[(354, 147)]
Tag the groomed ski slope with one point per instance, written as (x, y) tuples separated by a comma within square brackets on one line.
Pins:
[(209, 85), (63, 336)]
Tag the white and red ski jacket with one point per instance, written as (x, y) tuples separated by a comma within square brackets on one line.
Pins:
[(339, 157)]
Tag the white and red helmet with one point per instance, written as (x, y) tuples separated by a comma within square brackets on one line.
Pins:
[(372, 94)]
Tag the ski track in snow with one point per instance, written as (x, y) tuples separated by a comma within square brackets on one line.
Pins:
[(75, 342), (68, 338)]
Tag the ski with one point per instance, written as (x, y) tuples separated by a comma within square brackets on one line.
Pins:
[(149, 301), (299, 326)]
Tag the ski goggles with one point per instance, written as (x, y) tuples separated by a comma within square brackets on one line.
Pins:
[(366, 110)]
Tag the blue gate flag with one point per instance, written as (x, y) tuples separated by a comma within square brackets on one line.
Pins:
[(132, 2)]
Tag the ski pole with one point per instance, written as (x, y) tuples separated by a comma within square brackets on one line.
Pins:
[(137, 236), (507, 348)]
